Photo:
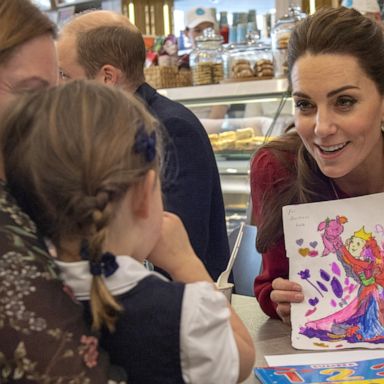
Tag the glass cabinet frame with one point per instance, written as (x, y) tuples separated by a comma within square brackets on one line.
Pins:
[(247, 104)]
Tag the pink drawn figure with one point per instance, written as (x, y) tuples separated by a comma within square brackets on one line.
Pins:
[(331, 237)]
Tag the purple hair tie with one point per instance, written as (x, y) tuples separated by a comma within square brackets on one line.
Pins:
[(145, 144), (107, 265)]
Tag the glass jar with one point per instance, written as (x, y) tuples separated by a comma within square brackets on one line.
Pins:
[(281, 32), (263, 67), (206, 60), (250, 61)]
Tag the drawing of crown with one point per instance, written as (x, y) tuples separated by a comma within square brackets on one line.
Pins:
[(361, 234)]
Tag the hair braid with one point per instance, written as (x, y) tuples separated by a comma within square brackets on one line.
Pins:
[(104, 306), (85, 166)]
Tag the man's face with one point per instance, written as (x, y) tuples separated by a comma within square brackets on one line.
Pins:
[(69, 67), (197, 31)]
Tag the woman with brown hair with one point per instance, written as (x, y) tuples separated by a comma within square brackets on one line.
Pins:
[(27, 50), (43, 336), (336, 76)]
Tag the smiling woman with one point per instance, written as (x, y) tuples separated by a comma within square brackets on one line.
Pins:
[(338, 116), (336, 75)]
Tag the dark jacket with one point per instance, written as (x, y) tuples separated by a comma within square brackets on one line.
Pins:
[(146, 342), (191, 187)]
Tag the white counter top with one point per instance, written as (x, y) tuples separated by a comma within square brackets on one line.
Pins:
[(244, 89)]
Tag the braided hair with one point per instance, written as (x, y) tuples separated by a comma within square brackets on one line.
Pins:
[(72, 152)]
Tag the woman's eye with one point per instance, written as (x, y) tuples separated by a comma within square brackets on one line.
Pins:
[(345, 102), (304, 105), (63, 76)]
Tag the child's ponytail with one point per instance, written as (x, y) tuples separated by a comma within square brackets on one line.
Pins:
[(86, 163), (104, 307)]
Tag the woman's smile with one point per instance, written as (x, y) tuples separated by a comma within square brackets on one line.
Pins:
[(338, 114)]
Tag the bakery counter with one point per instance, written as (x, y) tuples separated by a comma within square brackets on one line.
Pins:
[(234, 176), (227, 92), (238, 117)]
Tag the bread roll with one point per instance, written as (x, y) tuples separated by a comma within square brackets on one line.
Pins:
[(228, 135), (213, 137), (244, 133)]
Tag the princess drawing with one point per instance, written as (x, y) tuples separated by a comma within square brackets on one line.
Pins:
[(361, 320)]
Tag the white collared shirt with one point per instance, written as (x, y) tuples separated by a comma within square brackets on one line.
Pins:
[(208, 351)]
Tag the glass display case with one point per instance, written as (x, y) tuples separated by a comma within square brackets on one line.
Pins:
[(238, 117)]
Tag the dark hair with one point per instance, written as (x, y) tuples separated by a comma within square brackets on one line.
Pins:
[(341, 31), (328, 31), (20, 22), (69, 160)]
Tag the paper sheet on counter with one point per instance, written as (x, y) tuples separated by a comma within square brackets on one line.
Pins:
[(323, 357), (336, 253)]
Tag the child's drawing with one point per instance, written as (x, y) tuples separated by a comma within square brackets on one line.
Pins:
[(331, 235), (343, 279), (361, 319)]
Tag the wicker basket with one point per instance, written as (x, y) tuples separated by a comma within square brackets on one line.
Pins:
[(184, 78), (167, 77)]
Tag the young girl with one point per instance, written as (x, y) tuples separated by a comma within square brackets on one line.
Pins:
[(83, 160)]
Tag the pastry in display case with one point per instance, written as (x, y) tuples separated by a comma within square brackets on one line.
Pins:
[(239, 140)]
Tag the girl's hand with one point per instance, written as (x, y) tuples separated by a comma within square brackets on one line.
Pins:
[(285, 292), (173, 251)]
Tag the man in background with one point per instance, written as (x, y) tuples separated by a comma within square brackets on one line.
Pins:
[(105, 46), (196, 20)]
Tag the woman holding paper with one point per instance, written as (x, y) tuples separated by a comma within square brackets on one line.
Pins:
[(336, 75)]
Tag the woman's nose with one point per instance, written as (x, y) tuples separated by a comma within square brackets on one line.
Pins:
[(324, 123)]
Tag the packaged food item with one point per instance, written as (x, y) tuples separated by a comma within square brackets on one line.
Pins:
[(206, 60), (281, 32), (251, 61), (241, 68), (263, 68)]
